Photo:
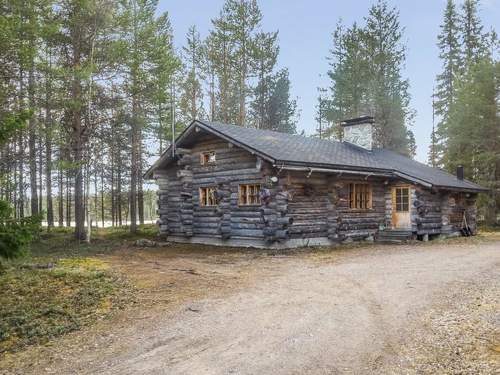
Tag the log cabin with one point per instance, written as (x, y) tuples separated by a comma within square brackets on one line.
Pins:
[(229, 185)]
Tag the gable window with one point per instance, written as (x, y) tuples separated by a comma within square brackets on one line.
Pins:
[(207, 158), (249, 194), (207, 197), (360, 196)]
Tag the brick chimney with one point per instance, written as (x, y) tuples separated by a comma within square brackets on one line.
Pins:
[(358, 131)]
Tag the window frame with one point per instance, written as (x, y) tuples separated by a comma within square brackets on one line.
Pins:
[(403, 205), (204, 196), (249, 198), (205, 158), (361, 200)]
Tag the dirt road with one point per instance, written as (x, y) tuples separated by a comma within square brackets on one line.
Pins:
[(383, 309)]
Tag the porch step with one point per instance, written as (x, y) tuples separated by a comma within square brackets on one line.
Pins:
[(394, 236)]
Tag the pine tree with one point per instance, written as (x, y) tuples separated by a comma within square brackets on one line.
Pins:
[(149, 63), (243, 17), (365, 75), (433, 155), (221, 52), (474, 131), (473, 40), (265, 55), (191, 103), (282, 115), (390, 99), (85, 29), (348, 76), (450, 55)]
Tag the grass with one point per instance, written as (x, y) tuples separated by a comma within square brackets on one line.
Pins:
[(60, 287)]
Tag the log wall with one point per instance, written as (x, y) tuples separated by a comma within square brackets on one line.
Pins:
[(320, 207), (227, 219), (427, 216), (359, 224)]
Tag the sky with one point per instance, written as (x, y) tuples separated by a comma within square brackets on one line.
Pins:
[(305, 37)]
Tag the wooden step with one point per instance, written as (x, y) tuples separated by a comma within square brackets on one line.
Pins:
[(394, 236)]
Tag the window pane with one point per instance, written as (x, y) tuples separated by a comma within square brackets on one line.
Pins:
[(243, 194), (402, 199), (249, 194), (360, 196)]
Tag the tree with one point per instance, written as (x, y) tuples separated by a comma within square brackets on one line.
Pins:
[(473, 40), (348, 76), (85, 29), (282, 110), (265, 55), (365, 75), (149, 63), (389, 94), (15, 235), (237, 51), (450, 55), (191, 102), (474, 131), (242, 18), (221, 51)]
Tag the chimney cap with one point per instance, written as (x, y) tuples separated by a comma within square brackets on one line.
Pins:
[(358, 120)]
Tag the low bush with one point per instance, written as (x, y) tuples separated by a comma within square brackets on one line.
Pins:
[(39, 302), (16, 234)]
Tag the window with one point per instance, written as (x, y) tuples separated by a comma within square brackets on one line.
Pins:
[(360, 196), (207, 158), (402, 199), (249, 194), (207, 197)]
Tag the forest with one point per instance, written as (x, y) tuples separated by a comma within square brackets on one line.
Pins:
[(90, 91)]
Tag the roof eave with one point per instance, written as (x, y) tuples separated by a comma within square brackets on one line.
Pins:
[(479, 189), (279, 163)]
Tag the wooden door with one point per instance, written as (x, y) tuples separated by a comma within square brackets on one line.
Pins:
[(401, 218)]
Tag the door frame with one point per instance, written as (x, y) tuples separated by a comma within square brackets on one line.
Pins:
[(393, 206)]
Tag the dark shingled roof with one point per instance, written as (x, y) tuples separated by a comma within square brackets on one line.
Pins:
[(314, 152)]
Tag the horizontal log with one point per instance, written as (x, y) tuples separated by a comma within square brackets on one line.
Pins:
[(285, 220), (247, 232), (269, 231), (282, 234)]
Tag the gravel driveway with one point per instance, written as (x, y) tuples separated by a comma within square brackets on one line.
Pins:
[(383, 309)]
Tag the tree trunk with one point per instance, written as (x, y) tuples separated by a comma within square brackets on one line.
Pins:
[(102, 196), (76, 137), (134, 170), (140, 192), (48, 157), (40, 174), (69, 186), (32, 142), (60, 196), (119, 195)]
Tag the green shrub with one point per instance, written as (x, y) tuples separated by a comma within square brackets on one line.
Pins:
[(16, 234)]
